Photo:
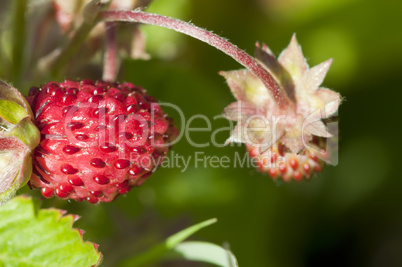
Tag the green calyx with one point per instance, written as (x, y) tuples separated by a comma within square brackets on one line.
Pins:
[(11, 111), (26, 132), (18, 138), (21, 178)]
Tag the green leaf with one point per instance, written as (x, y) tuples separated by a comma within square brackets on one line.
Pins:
[(11, 111), (44, 237), (186, 233), (203, 252), (160, 250)]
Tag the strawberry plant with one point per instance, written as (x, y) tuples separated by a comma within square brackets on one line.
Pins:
[(80, 134)]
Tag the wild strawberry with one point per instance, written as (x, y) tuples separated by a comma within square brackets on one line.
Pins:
[(286, 141), (281, 162), (98, 139)]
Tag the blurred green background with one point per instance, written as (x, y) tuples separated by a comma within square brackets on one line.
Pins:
[(349, 215)]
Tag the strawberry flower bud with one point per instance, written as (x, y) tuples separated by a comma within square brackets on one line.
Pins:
[(271, 132), (18, 137)]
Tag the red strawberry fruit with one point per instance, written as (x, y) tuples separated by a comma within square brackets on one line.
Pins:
[(98, 139)]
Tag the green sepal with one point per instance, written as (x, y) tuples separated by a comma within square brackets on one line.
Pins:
[(11, 111), (18, 138), (20, 180), (27, 132), (10, 193), (8, 92), (15, 165)]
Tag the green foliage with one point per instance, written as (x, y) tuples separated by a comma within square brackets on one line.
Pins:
[(41, 237), (349, 215), (203, 252), (170, 243)]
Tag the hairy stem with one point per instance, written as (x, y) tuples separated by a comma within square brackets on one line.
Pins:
[(110, 64), (214, 40)]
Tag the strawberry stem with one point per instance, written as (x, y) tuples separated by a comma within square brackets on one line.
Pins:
[(110, 64), (214, 40)]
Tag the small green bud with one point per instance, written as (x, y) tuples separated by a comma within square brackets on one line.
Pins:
[(18, 138)]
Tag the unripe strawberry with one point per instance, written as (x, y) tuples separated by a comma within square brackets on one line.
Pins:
[(280, 162), (98, 139), (288, 141), (18, 138)]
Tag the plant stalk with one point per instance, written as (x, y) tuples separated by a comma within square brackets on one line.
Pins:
[(110, 61), (277, 93)]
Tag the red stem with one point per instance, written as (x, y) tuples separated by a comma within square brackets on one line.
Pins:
[(214, 40), (110, 64)]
